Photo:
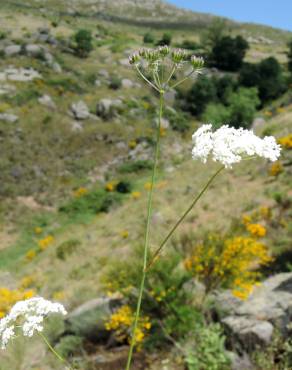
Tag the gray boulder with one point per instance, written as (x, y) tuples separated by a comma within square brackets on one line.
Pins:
[(80, 110), (88, 319), (7, 117), (12, 50), (108, 108), (33, 50), (47, 101), (253, 321), (127, 84)]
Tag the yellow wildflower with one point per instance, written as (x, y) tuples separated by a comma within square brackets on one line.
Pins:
[(286, 141), (275, 169), (30, 255), (110, 186), (38, 230), (136, 194), (46, 242), (124, 234), (132, 144), (256, 230), (80, 192)]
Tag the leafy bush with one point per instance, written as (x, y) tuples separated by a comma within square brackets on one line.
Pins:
[(83, 40), (92, 202), (189, 45), (132, 167), (217, 114), (63, 84), (290, 56), (3, 35), (115, 83), (124, 187), (165, 40), (67, 248), (228, 262), (266, 76), (201, 93), (69, 345), (207, 349), (148, 38), (225, 86), (179, 121), (228, 53), (242, 107)]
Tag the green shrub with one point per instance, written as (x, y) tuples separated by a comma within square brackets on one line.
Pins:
[(63, 84), (266, 76), (69, 345), (189, 45), (179, 121), (165, 40), (148, 38), (92, 203), (242, 107), (228, 53), (201, 93), (24, 96), (124, 187), (3, 35), (83, 40), (133, 167), (206, 349), (115, 83), (216, 114), (290, 56), (67, 248)]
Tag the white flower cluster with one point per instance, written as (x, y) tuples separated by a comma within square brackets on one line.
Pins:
[(29, 315), (229, 145)]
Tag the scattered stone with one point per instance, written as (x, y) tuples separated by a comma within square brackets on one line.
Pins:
[(80, 110), (47, 101), (240, 362), (252, 322), (108, 108), (103, 73), (88, 319), (7, 117), (127, 84), (33, 50), (19, 74), (6, 89), (97, 83), (56, 67), (76, 126), (12, 50), (124, 62)]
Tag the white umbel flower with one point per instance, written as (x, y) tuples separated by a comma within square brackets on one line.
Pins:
[(229, 145), (28, 315)]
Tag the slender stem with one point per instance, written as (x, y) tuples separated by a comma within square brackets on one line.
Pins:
[(146, 79), (165, 240), (59, 357), (147, 234), (183, 80), (171, 74)]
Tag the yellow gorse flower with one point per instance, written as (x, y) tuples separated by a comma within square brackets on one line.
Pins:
[(256, 230), (122, 320), (275, 169), (286, 141), (228, 263), (80, 192), (9, 297), (46, 242)]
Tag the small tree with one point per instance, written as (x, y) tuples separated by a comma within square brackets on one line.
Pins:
[(201, 93), (290, 56), (215, 32), (148, 38), (228, 53), (83, 40), (165, 40)]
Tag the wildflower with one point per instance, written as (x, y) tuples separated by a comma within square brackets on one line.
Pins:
[(134, 58), (136, 194), (286, 141), (80, 192), (178, 56), (110, 186), (132, 144), (45, 243), (265, 212), (124, 234), (246, 219), (29, 315), (275, 169), (256, 230), (30, 255), (229, 145), (38, 230), (197, 62)]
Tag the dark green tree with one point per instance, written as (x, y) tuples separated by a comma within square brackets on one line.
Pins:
[(290, 56), (83, 40), (148, 38), (228, 53), (165, 40)]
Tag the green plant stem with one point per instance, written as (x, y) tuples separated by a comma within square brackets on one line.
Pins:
[(146, 79), (147, 234), (59, 357), (165, 240)]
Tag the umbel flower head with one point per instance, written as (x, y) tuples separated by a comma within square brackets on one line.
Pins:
[(29, 316), (161, 64), (229, 145)]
